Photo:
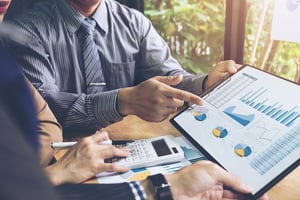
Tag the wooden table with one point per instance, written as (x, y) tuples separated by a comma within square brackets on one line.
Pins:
[(134, 128)]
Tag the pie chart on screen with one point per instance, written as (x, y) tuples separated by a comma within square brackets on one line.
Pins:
[(242, 150), (200, 116), (220, 132)]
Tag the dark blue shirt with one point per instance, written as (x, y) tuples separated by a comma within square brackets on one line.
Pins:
[(15, 94)]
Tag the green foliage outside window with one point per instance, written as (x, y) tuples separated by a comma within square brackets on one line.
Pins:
[(193, 29)]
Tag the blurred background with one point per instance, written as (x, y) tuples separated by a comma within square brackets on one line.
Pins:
[(203, 32)]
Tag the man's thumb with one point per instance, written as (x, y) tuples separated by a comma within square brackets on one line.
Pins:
[(169, 80)]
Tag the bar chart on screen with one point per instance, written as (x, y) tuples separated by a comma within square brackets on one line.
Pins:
[(284, 114)]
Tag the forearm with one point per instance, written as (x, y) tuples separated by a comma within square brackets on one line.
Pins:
[(84, 114), (160, 62), (193, 83), (49, 130)]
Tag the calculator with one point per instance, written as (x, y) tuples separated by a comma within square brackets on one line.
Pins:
[(150, 152)]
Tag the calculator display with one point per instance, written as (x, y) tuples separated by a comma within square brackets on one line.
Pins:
[(161, 147)]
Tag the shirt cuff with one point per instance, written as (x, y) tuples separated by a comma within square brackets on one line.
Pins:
[(138, 190), (203, 83), (105, 108)]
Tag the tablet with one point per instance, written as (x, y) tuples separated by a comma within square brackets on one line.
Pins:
[(250, 125)]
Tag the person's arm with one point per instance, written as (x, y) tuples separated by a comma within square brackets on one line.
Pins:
[(219, 72), (155, 99), (49, 130), (20, 171), (157, 60), (202, 180)]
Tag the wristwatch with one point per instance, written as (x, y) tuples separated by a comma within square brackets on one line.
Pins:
[(161, 187)]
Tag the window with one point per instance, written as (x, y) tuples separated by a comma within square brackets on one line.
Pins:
[(193, 29), (278, 57)]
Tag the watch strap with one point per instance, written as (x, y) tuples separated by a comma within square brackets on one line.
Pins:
[(161, 187)]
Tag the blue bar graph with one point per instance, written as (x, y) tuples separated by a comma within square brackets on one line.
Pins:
[(276, 111)]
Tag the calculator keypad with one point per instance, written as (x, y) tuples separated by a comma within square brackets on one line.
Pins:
[(139, 150), (149, 152)]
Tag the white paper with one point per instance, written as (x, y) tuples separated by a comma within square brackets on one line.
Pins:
[(286, 21)]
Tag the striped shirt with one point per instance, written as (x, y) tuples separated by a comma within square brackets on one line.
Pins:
[(130, 49)]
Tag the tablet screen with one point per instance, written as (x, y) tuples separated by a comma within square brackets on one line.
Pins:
[(250, 125)]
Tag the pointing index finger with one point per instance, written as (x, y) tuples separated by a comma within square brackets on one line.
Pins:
[(184, 96)]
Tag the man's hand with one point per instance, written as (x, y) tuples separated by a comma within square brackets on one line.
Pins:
[(206, 180), (86, 159), (154, 99), (220, 71)]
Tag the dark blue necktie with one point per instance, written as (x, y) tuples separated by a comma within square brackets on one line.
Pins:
[(93, 71)]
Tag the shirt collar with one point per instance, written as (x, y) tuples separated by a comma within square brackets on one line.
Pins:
[(73, 19), (100, 16)]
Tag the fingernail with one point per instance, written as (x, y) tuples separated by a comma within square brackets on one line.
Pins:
[(106, 142), (200, 102)]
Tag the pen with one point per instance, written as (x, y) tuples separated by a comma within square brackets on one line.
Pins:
[(63, 145)]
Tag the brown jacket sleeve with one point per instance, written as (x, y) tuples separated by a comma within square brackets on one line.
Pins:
[(49, 129)]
